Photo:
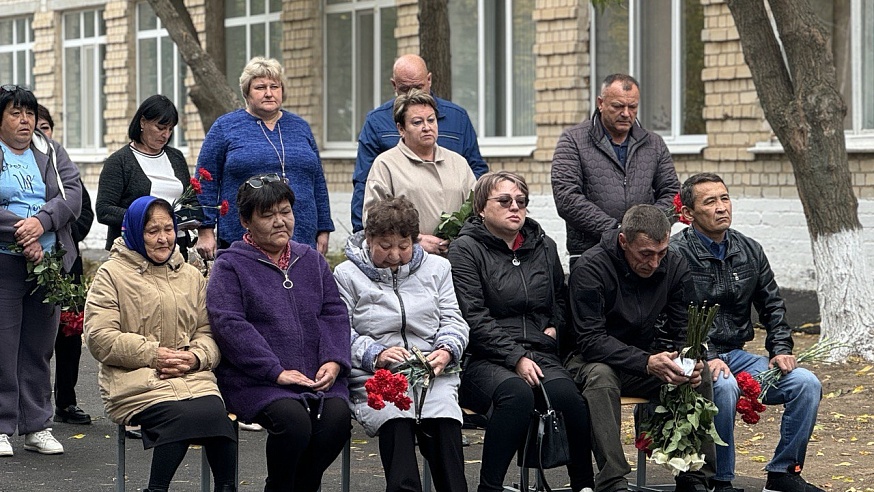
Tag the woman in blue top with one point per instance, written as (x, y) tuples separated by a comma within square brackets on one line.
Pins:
[(40, 198), (262, 138)]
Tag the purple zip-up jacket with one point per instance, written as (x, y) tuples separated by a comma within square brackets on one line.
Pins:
[(263, 328)]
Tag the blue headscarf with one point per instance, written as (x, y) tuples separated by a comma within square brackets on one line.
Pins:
[(134, 224)]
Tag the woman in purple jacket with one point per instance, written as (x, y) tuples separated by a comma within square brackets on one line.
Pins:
[(284, 336)]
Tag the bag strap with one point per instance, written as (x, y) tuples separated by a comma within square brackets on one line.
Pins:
[(540, 432), (545, 396)]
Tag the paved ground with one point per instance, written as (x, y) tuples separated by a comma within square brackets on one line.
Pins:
[(89, 462)]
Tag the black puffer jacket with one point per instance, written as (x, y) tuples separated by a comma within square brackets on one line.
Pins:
[(744, 279), (507, 305), (593, 191), (616, 313)]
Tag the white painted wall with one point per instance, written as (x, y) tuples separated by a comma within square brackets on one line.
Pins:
[(778, 224)]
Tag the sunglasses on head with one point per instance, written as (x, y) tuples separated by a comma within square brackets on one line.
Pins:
[(505, 200), (13, 88), (259, 181)]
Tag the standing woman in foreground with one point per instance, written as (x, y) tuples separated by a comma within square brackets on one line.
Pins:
[(263, 138), (284, 336), (510, 287), (40, 198)]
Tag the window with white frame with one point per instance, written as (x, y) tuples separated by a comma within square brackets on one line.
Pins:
[(252, 28), (16, 51), (160, 68), (84, 35), (493, 67), (360, 49), (851, 25), (659, 43)]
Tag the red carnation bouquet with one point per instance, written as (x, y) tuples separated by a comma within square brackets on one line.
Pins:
[(187, 206), (748, 405), (387, 387)]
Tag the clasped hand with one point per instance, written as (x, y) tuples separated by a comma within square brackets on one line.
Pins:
[(438, 359), (325, 377), (172, 363), (663, 367)]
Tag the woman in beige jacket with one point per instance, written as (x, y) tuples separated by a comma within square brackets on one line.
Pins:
[(146, 323)]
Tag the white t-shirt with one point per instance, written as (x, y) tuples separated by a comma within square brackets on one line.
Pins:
[(158, 169)]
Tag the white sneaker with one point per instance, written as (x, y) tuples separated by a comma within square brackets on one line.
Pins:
[(5, 446), (43, 442), (251, 427)]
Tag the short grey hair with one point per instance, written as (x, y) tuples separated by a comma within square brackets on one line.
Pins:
[(645, 219), (261, 67)]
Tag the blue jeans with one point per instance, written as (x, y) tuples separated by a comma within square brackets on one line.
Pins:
[(799, 392)]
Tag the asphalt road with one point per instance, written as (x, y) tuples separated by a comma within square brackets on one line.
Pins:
[(89, 461)]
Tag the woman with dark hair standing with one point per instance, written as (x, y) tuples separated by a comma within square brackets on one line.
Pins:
[(40, 198), (148, 166)]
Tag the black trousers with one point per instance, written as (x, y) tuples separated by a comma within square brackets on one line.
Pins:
[(300, 444), (440, 443), (68, 350)]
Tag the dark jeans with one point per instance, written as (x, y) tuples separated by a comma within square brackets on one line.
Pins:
[(602, 387), (440, 443), (68, 350), (301, 446)]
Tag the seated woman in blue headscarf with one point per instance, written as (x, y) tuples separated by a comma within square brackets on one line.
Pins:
[(146, 323)]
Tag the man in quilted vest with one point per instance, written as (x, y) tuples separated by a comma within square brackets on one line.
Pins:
[(608, 163)]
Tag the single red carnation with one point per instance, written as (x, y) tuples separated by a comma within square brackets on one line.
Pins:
[(678, 207), (643, 442), (223, 208), (403, 403), (744, 405), (71, 323), (204, 174), (195, 185), (750, 417), (375, 401)]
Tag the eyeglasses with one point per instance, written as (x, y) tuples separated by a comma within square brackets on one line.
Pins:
[(259, 181), (506, 200), (13, 88)]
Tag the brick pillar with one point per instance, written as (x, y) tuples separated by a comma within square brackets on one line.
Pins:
[(302, 59), (734, 119), (561, 85), (407, 28), (120, 68), (47, 56)]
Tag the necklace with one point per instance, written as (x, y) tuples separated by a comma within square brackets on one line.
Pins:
[(282, 157)]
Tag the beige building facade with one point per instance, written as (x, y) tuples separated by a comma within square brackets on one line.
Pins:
[(524, 69)]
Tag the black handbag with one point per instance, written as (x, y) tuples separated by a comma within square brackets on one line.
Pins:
[(547, 443)]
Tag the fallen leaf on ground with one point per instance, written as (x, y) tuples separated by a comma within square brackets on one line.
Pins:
[(77, 436), (758, 459)]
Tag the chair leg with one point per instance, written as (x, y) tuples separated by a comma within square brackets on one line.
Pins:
[(426, 476), (120, 457), (347, 465), (204, 471)]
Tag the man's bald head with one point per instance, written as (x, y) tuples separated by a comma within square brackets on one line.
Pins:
[(410, 72)]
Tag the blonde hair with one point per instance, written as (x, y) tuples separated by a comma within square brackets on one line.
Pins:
[(261, 67)]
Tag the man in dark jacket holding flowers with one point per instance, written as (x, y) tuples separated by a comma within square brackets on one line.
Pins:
[(629, 303), (732, 270)]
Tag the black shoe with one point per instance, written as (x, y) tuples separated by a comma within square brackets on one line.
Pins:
[(723, 486), (788, 482), (72, 415), (687, 483)]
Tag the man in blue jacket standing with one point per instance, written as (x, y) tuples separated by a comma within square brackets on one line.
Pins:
[(380, 133)]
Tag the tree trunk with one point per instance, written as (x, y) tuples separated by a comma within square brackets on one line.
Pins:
[(211, 93), (434, 44), (801, 101)]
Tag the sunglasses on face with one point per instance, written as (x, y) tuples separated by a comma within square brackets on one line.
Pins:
[(259, 181), (505, 200)]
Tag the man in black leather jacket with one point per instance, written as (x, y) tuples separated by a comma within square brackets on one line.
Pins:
[(620, 292), (732, 270)]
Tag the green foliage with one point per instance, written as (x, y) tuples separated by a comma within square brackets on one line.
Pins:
[(451, 223), (59, 286)]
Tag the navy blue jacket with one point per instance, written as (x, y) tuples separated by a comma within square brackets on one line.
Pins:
[(379, 133)]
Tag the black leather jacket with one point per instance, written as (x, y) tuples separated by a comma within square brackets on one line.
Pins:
[(744, 279)]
